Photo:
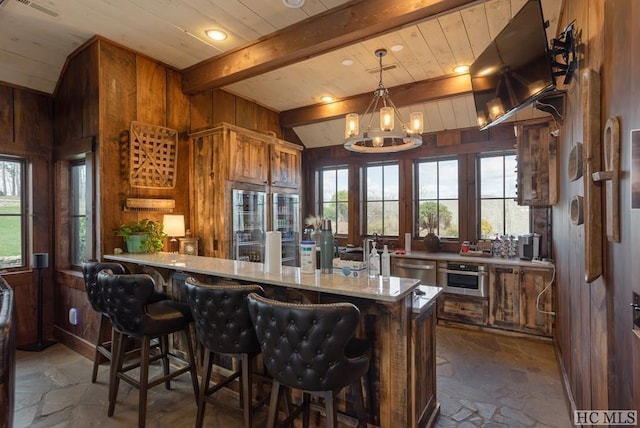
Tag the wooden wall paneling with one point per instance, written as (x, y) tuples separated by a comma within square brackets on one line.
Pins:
[(467, 188), (405, 217), (201, 110), (600, 337), (151, 91), (33, 116), (69, 293), (69, 102), (268, 121), (90, 92), (224, 107), (6, 115), (355, 204), (178, 118), (117, 110), (246, 114)]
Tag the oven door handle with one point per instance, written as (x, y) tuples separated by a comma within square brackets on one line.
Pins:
[(462, 272), (412, 266)]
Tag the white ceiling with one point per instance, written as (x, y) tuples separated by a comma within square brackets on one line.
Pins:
[(37, 36)]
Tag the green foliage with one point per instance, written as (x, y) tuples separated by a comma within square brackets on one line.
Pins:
[(154, 231), (434, 216), (10, 232), (486, 228)]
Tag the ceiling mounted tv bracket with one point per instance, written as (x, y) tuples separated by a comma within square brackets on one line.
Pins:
[(563, 54)]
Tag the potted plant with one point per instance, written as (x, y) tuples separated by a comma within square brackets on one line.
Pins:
[(430, 223), (144, 236)]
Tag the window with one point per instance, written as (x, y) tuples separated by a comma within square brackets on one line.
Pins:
[(78, 214), (437, 198), (381, 204), (12, 213), (499, 211), (335, 198)]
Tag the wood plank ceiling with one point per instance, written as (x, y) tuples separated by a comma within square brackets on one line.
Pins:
[(280, 57)]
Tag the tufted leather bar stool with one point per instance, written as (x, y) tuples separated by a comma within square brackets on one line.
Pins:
[(223, 326), (90, 271), (128, 305), (311, 347)]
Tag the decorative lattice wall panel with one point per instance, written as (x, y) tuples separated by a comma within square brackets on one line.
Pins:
[(153, 155)]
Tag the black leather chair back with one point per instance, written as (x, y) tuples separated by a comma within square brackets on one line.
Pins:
[(221, 316), (125, 298), (303, 345), (90, 271)]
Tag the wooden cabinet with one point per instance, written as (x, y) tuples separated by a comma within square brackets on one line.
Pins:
[(423, 366), (248, 158), (514, 303), (463, 309), (229, 157), (285, 165), (537, 165)]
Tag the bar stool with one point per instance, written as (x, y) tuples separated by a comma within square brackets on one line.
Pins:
[(224, 327), (90, 271), (310, 347), (104, 345), (127, 304)]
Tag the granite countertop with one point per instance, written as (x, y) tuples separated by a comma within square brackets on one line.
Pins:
[(455, 257), (391, 289)]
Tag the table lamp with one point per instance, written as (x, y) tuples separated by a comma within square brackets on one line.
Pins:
[(173, 227)]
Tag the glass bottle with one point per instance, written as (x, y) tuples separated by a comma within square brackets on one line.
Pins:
[(386, 262), (374, 262)]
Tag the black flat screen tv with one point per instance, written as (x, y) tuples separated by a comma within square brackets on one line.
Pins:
[(514, 70)]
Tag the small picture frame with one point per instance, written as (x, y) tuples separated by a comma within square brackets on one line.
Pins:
[(188, 246)]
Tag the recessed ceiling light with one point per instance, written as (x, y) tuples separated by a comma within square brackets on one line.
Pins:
[(327, 99), (461, 69), (293, 3), (347, 62), (397, 48), (217, 35)]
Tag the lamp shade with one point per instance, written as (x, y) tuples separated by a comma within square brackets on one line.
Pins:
[(173, 224)]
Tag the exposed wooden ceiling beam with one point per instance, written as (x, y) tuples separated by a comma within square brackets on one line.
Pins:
[(352, 22), (403, 95)]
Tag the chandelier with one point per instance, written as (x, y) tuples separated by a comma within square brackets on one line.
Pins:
[(383, 139)]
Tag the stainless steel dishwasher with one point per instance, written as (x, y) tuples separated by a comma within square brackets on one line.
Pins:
[(424, 270)]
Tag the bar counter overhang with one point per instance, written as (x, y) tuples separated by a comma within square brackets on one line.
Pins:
[(399, 323)]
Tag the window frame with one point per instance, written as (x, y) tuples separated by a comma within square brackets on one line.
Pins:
[(415, 231), (73, 164), (24, 212), (321, 201), (364, 200), (479, 197)]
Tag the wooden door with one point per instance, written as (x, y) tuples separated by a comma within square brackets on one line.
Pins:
[(504, 297), (535, 314), (285, 166), (248, 158)]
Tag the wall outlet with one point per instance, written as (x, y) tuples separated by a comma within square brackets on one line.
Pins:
[(73, 316)]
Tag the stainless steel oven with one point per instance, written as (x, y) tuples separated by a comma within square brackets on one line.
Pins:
[(471, 279)]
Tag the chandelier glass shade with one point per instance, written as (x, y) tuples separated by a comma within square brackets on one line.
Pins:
[(384, 138)]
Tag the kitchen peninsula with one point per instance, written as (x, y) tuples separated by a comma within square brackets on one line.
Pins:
[(398, 322)]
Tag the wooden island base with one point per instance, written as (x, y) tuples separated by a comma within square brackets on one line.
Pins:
[(400, 387)]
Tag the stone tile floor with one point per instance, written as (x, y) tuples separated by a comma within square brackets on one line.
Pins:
[(483, 379)]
